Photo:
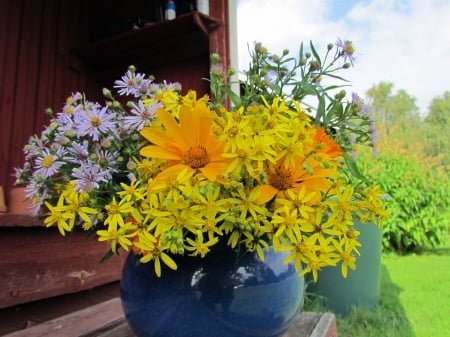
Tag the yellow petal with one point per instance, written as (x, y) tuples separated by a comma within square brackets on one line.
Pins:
[(168, 261), (267, 192), (152, 151), (173, 129)]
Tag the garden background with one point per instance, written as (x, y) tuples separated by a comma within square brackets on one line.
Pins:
[(411, 162)]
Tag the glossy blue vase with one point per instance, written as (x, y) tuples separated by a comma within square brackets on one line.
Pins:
[(217, 296)]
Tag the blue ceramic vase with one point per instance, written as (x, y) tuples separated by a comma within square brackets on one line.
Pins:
[(217, 296)]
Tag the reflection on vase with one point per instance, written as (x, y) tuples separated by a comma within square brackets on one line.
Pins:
[(215, 296)]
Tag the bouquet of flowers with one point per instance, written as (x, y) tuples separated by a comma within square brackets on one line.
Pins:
[(172, 173)]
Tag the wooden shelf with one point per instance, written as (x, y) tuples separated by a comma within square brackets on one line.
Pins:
[(107, 320), (158, 43), (19, 220)]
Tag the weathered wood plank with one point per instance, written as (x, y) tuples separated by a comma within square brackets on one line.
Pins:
[(37, 263), (107, 320), (326, 326), (85, 322)]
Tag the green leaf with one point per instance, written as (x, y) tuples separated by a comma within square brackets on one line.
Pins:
[(313, 50), (353, 167), (107, 256), (235, 99)]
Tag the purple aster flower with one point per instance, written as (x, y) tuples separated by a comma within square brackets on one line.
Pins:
[(47, 164), (164, 86), (33, 148), (95, 122), (73, 103), (38, 193), (78, 152), (358, 102), (144, 88), (129, 84), (141, 115), (374, 132), (107, 160), (88, 177), (271, 78), (347, 50)]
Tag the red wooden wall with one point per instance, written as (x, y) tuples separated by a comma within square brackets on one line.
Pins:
[(39, 66), (35, 72)]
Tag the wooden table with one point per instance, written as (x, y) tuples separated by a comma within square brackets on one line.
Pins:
[(107, 320)]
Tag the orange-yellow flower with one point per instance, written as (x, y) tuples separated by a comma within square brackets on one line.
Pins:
[(328, 145), (314, 178), (187, 143)]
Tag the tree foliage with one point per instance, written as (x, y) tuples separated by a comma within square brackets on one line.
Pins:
[(412, 167), (438, 128), (393, 113), (417, 192)]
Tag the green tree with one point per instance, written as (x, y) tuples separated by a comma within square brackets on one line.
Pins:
[(409, 167), (438, 128), (396, 114)]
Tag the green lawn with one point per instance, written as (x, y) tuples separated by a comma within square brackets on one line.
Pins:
[(423, 282), (415, 299)]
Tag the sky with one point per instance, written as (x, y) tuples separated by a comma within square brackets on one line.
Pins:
[(404, 42)]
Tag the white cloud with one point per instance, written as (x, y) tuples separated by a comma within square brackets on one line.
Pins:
[(404, 42)]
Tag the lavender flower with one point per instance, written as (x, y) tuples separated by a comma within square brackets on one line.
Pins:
[(374, 132), (107, 160), (78, 152), (130, 84), (88, 145), (95, 122), (141, 115), (89, 176), (347, 50), (358, 102), (47, 164)]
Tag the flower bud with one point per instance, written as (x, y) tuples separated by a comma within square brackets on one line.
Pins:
[(314, 65), (107, 93), (275, 58), (346, 65), (106, 143), (285, 52), (340, 95), (132, 69), (131, 165), (215, 58), (302, 61), (330, 46), (307, 55), (70, 133)]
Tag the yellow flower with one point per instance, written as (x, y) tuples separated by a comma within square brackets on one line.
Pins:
[(133, 191), (120, 236), (59, 215), (281, 178), (234, 129), (187, 144), (348, 259), (116, 211), (74, 203), (301, 201), (152, 250), (198, 247)]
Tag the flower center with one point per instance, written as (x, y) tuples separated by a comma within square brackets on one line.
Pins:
[(349, 49), (196, 157), (281, 179), (47, 161), (95, 121)]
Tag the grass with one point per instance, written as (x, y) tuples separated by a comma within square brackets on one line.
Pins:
[(415, 299)]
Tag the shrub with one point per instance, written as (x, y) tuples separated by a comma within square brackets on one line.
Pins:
[(418, 200)]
